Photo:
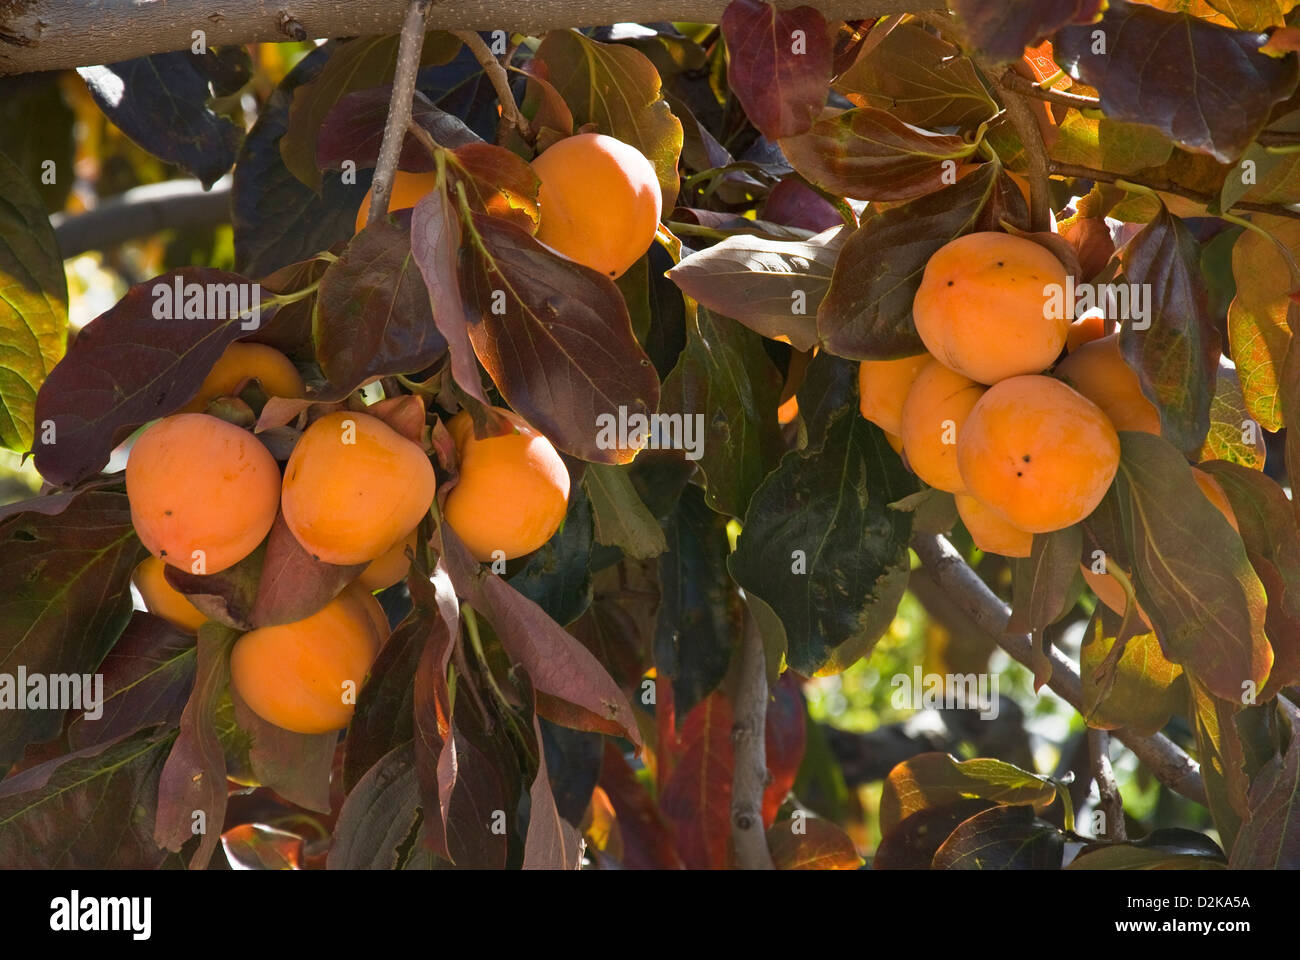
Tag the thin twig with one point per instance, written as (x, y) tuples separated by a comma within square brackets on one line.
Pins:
[(1166, 759), (749, 770), (510, 115), (1026, 126), (399, 107), (1164, 186), (1110, 802), (1027, 87)]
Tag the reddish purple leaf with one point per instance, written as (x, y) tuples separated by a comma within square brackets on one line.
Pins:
[(779, 64), (647, 840), (438, 622), (372, 311), (354, 129), (556, 338), (293, 585), (127, 367), (552, 842), (435, 245), (811, 844), (783, 743), (697, 796)]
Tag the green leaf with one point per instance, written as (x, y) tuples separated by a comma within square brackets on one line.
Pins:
[(621, 518), (1144, 691), (919, 77), (823, 548), (1111, 145), (1043, 581), (67, 598), (1175, 358), (1234, 435), (1190, 569), (1004, 838), (725, 382), (33, 305), (931, 779), (1261, 314)]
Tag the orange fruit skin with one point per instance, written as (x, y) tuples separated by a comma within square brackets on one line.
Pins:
[(981, 309), (164, 600), (1098, 371), (293, 675), (1213, 491), (895, 441), (883, 386), (990, 532), (245, 361), (358, 592), (513, 489), (195, 483), (389, 567), (1037, 453), (1091, 326), (408, 190), (349, 502), (934, 413), (600, 201), (1110, 593)]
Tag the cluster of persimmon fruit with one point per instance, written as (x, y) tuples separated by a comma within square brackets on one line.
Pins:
[(205, 492), (1013, 409)]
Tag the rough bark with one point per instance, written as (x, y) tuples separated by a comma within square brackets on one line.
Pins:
[(56, 34)]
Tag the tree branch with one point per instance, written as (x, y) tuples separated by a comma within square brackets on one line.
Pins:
[(57, 34), (399, 108), (1165, 186), (1026, 125), (749, 772), (141, 211), (510, 115), (1110, 801), (1166, 759)]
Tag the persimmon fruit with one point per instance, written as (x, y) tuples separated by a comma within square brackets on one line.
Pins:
[(513, 489), (883, 386), (203, 493), (1038, 453), (982, 307), (1098, 370), (164, 600), (934, 412), (390, 566), (248, 361), (600, 201), (304, 676), (990, 532), (408, 190), (353, 486)]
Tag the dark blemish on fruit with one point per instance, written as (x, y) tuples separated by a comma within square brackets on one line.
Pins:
[(1025, 458), (1019, 474), (999, 263), (950, 283), (167, 513)]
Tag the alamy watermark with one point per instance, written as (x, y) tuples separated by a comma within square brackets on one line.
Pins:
[(53, 691), (950, 691), (208, 301), (1126, 302), (654, 431)]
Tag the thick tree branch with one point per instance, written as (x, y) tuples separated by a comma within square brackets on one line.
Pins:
[(57, 34), (1165, 186), (1110, 801), (749, 772), (140, 211), (1166, 760), (399, 108)]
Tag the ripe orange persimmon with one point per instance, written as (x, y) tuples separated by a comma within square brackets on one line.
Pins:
[(883, 386), (304, 676), (1213, 491), (248, 361), (981, 308), (600, 201), (1037, 453), (203, 492), (164, 600), (1098, 371), (1091, 326), (1110, 593), (390, 566), (934, 412), (513, 489), (990, 532), (353, 485), (372, 607), (408, 190)]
